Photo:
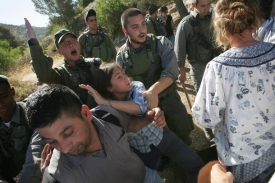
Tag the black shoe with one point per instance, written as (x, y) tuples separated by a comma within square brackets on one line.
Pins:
[(209, 134), (162, 161)]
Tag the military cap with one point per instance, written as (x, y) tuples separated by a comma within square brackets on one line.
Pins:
[(152, 8), (60, 34), (3, 78)]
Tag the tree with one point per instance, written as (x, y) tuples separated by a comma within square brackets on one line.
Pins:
[(85, 3), (108, 15), (181, 8), (5, 34), (59, 11)]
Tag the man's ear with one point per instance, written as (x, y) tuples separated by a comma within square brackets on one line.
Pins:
[(58, 51), (86, 113), (13, 91), (124, 31), (193, 5)]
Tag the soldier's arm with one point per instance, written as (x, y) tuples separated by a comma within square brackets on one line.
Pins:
[(31, 168), (42, 65), (169, 73), (180, 48)]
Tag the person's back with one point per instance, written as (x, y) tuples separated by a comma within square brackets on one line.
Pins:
[(94, 42), (240, 104)]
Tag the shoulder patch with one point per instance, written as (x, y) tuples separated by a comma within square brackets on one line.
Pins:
[(168, 43)]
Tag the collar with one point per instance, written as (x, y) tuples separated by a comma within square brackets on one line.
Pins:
[(137, 50), (15, 120), (196, 15), (81, 59)]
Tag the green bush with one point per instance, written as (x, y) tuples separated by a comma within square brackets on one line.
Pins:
[(108, 15), (9, 55)]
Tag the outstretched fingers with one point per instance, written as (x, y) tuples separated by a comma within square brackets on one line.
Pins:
[(29, 29)]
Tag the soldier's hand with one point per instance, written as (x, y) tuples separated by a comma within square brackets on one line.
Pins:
[(157, 117), (29, 29), (152, 99), (182, 75), (45, 157)]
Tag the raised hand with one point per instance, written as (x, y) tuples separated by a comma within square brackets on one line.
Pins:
[(29, 29)]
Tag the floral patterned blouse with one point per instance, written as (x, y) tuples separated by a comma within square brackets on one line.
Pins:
[(237, 98)]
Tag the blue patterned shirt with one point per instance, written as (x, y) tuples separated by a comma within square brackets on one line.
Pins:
[(237, 98), (266, 32), (150, 134), (135, 95)]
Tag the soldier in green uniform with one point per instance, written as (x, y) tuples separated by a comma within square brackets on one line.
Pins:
[(194, 39), (95, 42), (74, 71), (154, 24), (17, 140), (151, 60)]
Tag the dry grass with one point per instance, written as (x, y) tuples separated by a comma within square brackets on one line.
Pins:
[(23, 79)]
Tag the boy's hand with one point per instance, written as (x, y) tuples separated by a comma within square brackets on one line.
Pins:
[(157, 117)]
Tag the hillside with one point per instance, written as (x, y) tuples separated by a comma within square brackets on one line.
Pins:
[(19, 31)]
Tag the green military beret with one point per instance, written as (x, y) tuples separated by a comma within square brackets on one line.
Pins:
[(3, 78)]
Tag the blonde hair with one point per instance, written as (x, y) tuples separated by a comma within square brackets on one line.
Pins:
[(234, 17)]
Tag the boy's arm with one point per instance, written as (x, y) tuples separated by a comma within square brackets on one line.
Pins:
[(41, 64)]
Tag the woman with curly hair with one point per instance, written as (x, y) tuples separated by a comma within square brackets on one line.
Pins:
[(237, 94)]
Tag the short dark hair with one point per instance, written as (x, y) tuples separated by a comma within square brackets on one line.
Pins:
[(90, 13), (47, 104), (163, 9), (105, 73), (4, 80), (130, 12)]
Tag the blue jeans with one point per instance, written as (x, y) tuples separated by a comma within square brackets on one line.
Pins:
[(152, 176), (173, 147)]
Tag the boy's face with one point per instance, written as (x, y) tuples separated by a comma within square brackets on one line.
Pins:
[(7, 102), (70, 135), (120, 82), (69, 47), (136, 30)]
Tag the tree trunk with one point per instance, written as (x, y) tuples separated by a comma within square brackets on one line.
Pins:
[(181, 8)]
